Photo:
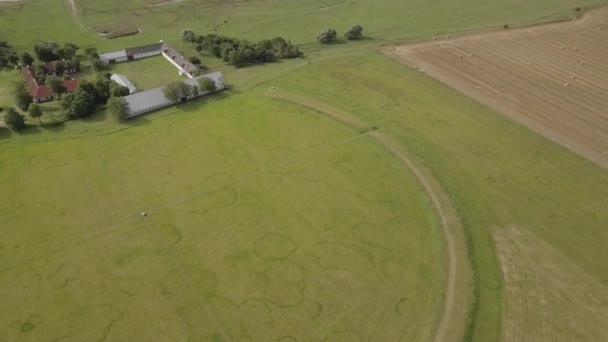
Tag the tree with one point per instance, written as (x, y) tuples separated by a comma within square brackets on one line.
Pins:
[(98, 65), (355, 32), (59, 67), (35, 111), (176, 91), (207, 84), (56, 85), (78, 104), (22, 95), (118, 107), (327, 35), (195, 60), (192, 91), (118, 90), (27, 59), (13, 119), (188, 36), (91, 52), (40, 74)]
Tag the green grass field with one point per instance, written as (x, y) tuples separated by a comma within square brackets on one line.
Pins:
[(148, 73), (269, 220)]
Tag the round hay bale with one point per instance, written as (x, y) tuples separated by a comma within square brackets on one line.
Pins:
[(422, 71), (144, 214), (566, 84), (471, 54), (460, 56), (434, 38), (573, 77), (581, 63), (447, 37), (563, 47), (575, 49), (529, 63), (415, 67)]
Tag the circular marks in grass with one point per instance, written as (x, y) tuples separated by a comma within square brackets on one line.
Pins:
[(255, 316), (204, 281), (64, 274), (246, 216), (238, 158), (375, 235), (31, 323), (130, 286), (343, 336), (336, 255), (262, 183), (274, 247), (390, 267), (318, 219), (542, 180), (400, 306), (285, 284)]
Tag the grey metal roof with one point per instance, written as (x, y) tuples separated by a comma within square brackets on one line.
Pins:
[(112, 55), (124, 81), (143, 49), (149, 100)]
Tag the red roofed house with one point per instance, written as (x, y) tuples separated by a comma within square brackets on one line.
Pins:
[(40, 92)]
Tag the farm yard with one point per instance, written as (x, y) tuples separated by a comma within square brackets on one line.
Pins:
[(551, 78), (341, 196)]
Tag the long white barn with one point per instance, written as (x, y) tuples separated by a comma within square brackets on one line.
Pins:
[(153, 99)]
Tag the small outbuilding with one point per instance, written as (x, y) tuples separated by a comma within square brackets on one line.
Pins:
[(124, 81)]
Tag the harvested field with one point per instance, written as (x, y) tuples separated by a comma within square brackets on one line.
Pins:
[(547, 294), (551, 78)]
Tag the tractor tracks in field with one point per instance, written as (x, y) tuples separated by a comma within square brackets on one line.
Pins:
[(74, 12), (458, 292)]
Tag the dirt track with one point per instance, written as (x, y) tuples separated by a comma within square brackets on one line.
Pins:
[(458, 284), (551, 78)]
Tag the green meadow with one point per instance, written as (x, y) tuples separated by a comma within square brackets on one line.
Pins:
[(267, 220)]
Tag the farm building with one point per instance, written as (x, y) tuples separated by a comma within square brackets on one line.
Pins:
[(161, 48), (40, 92), (124, 81), (153, 99)]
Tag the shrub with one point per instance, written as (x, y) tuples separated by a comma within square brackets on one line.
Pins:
[(355, 32), (14, 120), (505, 26), (327, 35), (207, 84)]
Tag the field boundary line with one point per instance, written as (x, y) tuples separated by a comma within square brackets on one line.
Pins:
[(458, 294)]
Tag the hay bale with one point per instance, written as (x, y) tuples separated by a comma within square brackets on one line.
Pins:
[(575, 49), (434, 38), (573, 77), (415, 67), (563, 47), (471, 54), (566, 84), (447, 37), (144, 214), (529, 63), (581, 63), (460, 56)]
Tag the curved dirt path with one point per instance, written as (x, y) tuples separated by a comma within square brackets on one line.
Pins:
[(459, 277)]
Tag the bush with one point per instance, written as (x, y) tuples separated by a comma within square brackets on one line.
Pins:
[(207, 84), (505, 26), (14, 120), (195, 60), (327, 35), (355, 32), (22, 95), (118, 107)]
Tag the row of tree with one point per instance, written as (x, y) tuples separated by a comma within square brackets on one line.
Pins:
[(179, 91), (329, 35), (242, 52), (52, 51)]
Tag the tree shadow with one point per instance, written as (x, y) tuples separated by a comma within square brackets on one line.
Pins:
[(53, 126), (5, 133)]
